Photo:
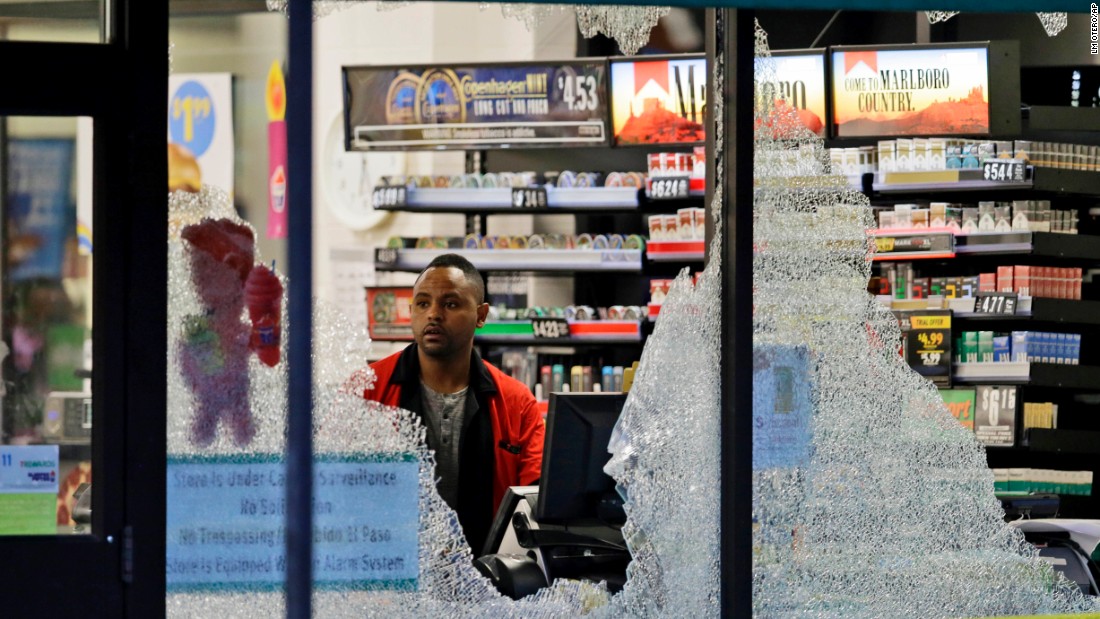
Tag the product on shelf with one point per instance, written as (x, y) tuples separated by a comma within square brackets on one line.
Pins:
[(1059, 155), (688, 224), (1040, 415), (1019, 347), (898, 280), (988, 216), (1043, 481), (931, 154), (566, 179), (584, 241)]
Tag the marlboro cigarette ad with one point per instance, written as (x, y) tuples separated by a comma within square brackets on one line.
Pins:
[(658, 101), (792, 83), (910, 92)]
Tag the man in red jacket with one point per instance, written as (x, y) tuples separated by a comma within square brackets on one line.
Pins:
[(482, 423)]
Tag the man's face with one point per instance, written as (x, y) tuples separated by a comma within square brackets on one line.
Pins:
[(445, 312)]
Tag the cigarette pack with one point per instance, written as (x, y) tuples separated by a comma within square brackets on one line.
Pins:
[(1004, 279)]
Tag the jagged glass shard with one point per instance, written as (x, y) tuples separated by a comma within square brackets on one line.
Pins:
[(1053, 23), (531, 14), (628, 25), (869, 498), (935, 17)]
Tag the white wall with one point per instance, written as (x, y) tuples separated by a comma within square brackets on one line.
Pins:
[(420, 33)]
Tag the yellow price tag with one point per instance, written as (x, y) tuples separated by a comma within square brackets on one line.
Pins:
[(884, 243)]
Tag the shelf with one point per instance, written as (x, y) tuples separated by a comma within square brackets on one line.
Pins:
[(675, 251), (1038, 309), (933, 244), (1044, 244), (581, 333), (941, 181), (541, 260), (1064, 441), (1043, 179), (499, 200), (1033, 374)]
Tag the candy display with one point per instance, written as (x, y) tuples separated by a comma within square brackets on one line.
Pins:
[(565, 179), (584, 241)]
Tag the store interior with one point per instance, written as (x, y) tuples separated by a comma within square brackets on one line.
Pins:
[(47, 317)]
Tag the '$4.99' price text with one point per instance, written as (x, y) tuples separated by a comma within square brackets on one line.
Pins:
[(930, 341)]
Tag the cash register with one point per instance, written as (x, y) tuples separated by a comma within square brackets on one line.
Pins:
[(570, 525)]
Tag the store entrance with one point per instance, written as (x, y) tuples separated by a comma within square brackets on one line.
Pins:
[(83, 215)]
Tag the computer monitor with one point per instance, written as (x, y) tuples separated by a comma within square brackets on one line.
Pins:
[(578, 429)]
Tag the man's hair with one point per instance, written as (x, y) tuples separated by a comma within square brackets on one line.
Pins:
[(464, 265)]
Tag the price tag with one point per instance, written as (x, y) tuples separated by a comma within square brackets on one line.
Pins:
[(529, 197), (385, 255), (928, 345), (1004, 170), (1000, 303), (670, 188), (390, 196), (550, 328)]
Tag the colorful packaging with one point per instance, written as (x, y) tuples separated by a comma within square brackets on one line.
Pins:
[(987, 282), (1021, 280), (1004, 279)]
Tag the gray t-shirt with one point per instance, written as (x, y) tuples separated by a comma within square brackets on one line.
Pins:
[(445, 412)]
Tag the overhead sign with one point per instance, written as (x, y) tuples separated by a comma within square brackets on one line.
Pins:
[(900, 90), (792, 83), (476, 106), (659, 100)]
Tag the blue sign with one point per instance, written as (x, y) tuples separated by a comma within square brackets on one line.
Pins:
[(192, 117), (781, 406), (227, 516), (482, 105), (40, 210)]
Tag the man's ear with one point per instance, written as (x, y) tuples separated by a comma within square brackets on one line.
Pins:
[(482, 314)]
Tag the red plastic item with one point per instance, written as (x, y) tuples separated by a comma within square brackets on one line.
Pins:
[(263, 294)]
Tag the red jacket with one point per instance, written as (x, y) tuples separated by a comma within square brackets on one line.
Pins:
[(517, 426)]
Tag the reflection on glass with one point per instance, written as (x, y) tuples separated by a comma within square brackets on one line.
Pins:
[(72, 21), (46, 326)]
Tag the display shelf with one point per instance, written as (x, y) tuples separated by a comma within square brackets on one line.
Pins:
[(1044, 244), (1042, 179), (1034, 374), (697, 188), (1038, 309), (541, 260), (499, 200), (913, 244), (675, 251), (963, 307), (1064, 441), (941, 181), (581, 333)]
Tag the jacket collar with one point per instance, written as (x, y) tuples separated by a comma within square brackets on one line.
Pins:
[(407, 372)]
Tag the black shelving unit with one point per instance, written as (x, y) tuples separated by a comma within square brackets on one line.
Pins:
[(602, 278), (1076, 443)]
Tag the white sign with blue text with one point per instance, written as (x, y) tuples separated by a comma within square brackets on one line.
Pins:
[(227, 516)]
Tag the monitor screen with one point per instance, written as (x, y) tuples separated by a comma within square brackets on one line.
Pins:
[(578, 429), (658, 100), (911, 90)]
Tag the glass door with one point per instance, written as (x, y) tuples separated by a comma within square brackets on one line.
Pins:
[(82, 348)]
